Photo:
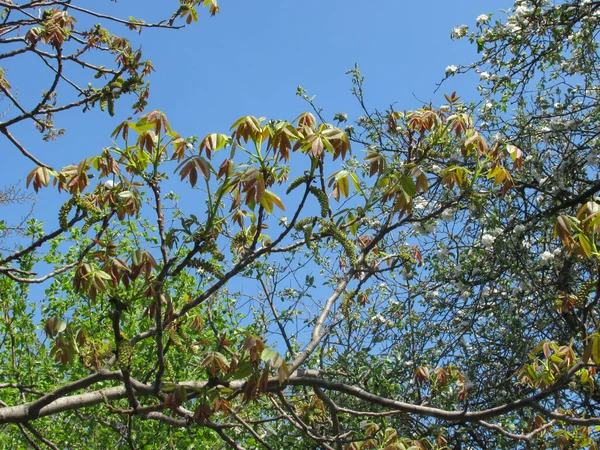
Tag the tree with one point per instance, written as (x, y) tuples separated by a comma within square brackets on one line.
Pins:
[(439, 292), (49, 32)]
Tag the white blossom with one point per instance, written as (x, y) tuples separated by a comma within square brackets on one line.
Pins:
[(484, 76), (487, 240), (109, 184), (483, 18), (448, 214), (521, 11), (442, 253), (380, 319), (451, 70), (547, 256), (420, 203), (519, 228), (459, 32), (423, 228), (457, 270)]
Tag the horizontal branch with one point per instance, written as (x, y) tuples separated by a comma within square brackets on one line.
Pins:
[(56, 402)]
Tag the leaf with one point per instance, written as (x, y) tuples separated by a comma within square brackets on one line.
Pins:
[(268, 199), (213, 142), (562, 229), (516, 155), (40, 176), (242, 371), (408, 185), (595, 350), (54, 326), (355, 182), (341, 182), (586, 244), (267, 354)]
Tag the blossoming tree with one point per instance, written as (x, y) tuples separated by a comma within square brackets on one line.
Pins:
[(438, 290)]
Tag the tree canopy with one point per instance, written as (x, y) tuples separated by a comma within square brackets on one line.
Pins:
[(423, 279)]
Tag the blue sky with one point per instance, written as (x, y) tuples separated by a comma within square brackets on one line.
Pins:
[(249, 60)]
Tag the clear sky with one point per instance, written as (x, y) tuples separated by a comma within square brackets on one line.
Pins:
[(249, 60)]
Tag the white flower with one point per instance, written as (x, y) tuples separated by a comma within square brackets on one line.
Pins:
[(109, 184), (189, 146), (448, 214), (513, 27), (456, 270), (436, 169), (442, 253), (487, 240), (379, 318), (521, 11), (420, 203), (451, 70), (458, 32), (419, 228), (519, 228), (374, 222), (283, 220), (483, 18), (547, 256), (484, 76)]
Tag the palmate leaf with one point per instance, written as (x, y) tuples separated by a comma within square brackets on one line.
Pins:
[(340, 181), (192, 166), (39, 177), (268, 199), (213, 142), (214, 362)]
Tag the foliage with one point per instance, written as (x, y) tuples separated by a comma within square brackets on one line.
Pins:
[(50, 32), (437, 291)]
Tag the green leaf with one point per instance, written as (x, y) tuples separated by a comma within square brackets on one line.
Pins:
[(586, 244), (267, 354), (408, 185)]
